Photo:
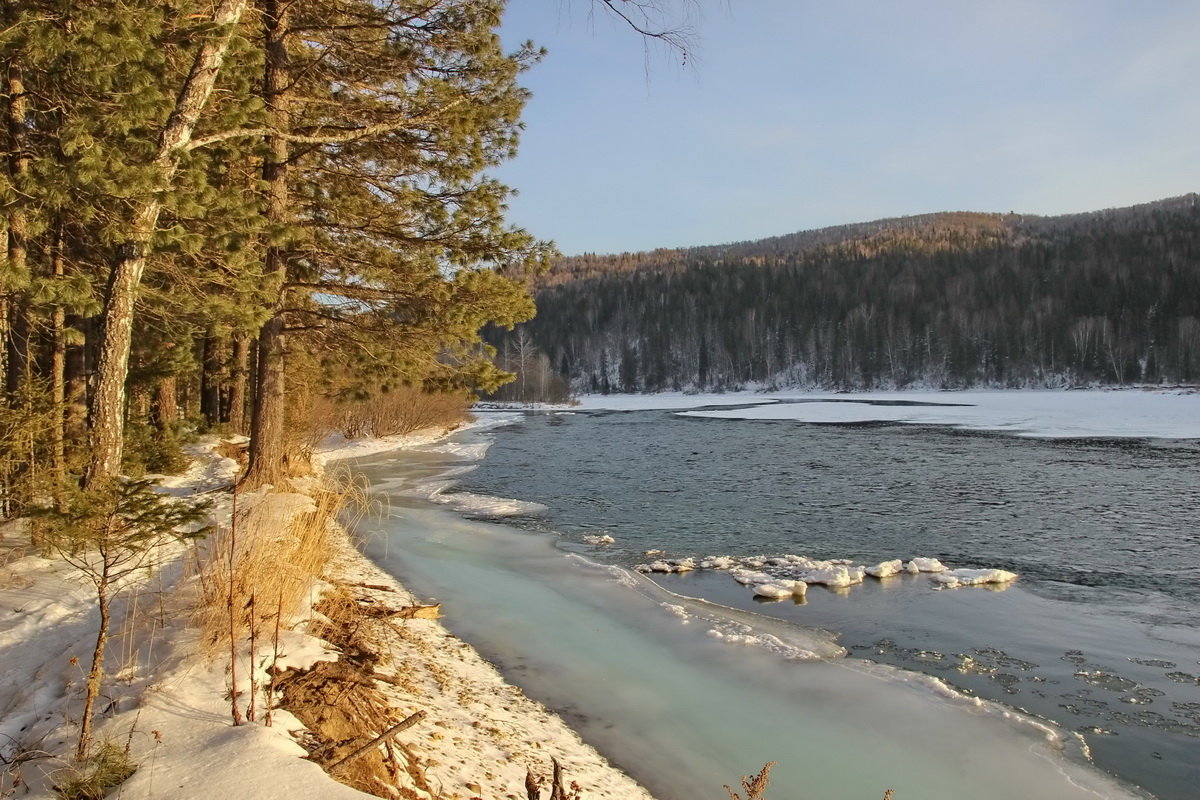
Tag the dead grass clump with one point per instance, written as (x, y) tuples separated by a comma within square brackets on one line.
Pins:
[(350, 719), (108, 766), (535, 783), (260, 568)]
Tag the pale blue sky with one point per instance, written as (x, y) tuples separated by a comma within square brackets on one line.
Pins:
[(797, 115)]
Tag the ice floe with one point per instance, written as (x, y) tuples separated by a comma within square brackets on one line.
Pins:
[(837, 575), (886, 569), (599, 539), (782, 576), (952, 579)]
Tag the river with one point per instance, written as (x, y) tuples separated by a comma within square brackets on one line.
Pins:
[(1097, 638)]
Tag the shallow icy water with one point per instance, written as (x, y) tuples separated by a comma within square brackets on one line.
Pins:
[(639, 675), (1099, 633)]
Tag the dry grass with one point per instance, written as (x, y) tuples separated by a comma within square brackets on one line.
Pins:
[(399, 411), (105, 769), (259, 573), (264, 564)]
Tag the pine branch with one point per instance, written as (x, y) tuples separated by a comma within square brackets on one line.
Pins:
[(346, 135)]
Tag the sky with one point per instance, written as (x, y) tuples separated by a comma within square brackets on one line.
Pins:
[(791, 115)]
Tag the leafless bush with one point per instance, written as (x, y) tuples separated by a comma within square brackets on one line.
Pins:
[(396, 412)]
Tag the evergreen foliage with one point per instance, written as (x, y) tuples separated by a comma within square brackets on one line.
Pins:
[(220, 214), (211, 210)]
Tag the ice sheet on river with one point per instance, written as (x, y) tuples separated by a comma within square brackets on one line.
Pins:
[(684, 693)]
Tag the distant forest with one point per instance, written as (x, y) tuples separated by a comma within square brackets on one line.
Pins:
[(942, 300)]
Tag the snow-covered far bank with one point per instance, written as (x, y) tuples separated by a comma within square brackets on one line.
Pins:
[(1042, 413)]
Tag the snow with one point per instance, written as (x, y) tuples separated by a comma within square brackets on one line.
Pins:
[(169, 702)]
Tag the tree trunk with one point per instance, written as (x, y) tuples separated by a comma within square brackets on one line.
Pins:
[(210, 379), (17, 345), (109, 399), (165, 408), (268, 448), (75, 379), (58, 371), (16, 340), (96, 673), (238, 382)]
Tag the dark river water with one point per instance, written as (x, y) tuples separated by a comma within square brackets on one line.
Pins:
[(1099, 633)]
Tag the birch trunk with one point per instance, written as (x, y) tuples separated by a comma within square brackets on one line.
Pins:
[(108, 401)]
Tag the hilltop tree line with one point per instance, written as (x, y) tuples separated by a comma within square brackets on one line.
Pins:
[(947, 300), (212, 213)]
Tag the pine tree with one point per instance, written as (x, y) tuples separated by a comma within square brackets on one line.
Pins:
[(384, 118)]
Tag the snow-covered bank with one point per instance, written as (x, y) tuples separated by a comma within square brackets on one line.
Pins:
[(1042, 414), (169, 702), (1083, 413)]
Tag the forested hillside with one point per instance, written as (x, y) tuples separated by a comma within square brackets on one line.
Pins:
[(940, 300)]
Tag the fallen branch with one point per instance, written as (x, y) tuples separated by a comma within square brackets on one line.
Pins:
[(387, 735)]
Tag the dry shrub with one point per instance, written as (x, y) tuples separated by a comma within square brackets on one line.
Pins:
[(264, 561), (392, 413), (754, 786)]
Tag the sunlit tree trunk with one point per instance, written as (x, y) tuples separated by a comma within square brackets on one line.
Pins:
[(107, 419)]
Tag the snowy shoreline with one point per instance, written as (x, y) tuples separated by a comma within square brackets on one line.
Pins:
[(169, 702)]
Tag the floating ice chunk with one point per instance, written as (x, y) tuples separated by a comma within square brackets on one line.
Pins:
[(799, 588), (719, 562), (677, 610), (748, 577), (952, 579), (654, 552), (886, 568), (773, 591), (837, 575), (603, 538), (924, 565), (664, 566), (767, 641)]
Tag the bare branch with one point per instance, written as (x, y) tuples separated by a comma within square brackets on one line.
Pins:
[(643, 17)]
